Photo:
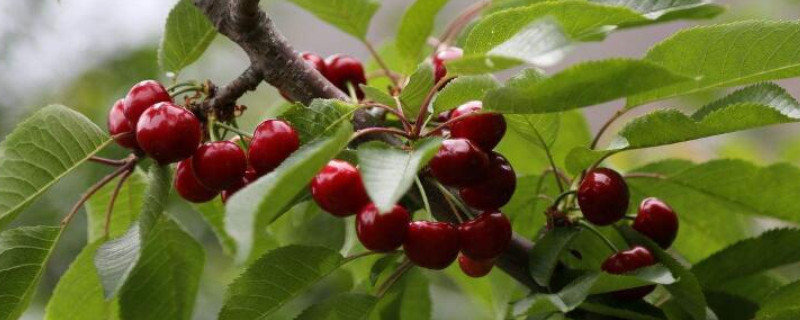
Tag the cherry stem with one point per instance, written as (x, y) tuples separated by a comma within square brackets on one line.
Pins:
[(186, 90), (382, 73), (449, 122), (605, 127), (629, 217), (181, 84), (110, 162), (451, 199), (395, 131), (97, 186), (461, 21), (351, 89), (117, 188), (599, 234), (560, 174), (233, 129), (424, 195), (366, 254), (393, 111), (423, 108), (561, 197), (382, 63), (396, 275), (552, 162)]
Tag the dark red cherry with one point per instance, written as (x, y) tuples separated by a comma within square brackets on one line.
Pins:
[(657, 221), (627, 261), (273, 142), (496, 189), (459, 163), (219, 165), (603, 196), (168, 133), (315, 61), (485, 130), (143, 95), (187, 185), (442, 56), (475, 268), (249, 177), (443, 116), (120, 128), (432, 245), (338, 189), (382, 232), (486, 236), (342, 69)]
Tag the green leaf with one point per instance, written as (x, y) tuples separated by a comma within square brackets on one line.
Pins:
[(582, 85), (253, 208), (782, 304), (384, 263), (24, 252), (307, 224), (187, 34), (461, 90), (408, 299), (126, 207), (546, 253), (663, 10), (415, 27), (40, 151), (345, 306), (539, 129), (480, 64), (378, 96), (419, 85), (633, 310), (350, 16), (388, 172), (275, 278), (318, 119), (213, 213), (725, 55), (79, 294)]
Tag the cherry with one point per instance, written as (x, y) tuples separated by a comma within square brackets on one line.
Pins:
[(485, 130), (249, 177), (443, 116), (603, 196), (219, 165), (187, 185), (344, 69), (496, 189), (273, 142), (168, 133), (657, 221), (143, 95), (382, 232), (475, 268), (486, 236), (338, 189), (627, 261), (119, 127), (315, 61), (459, 163), (442, 56), (432, 245)]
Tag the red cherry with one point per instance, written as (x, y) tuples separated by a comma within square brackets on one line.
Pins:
[(249, 177), (168, 133), (475, 268), (187, 185), (485, 130), (338, 189), (315, 61), (273, 142), (486, 236), (657, 221), (443, 116), (382, 232), (603, 196), (627, 261), (219, 165), (459, 163), (496, 189), (119, 127), (344, 69), (143, 95), (447, 54), (432, 245)]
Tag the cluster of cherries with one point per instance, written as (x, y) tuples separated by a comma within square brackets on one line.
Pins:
[(341, 70)]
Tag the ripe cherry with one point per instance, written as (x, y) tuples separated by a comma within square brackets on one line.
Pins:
[(168, 133), (657, 221), (187, 185), (342, 69), (442, 56), (382, 232), (627, 261), (219, 165), (432, 245), (273, 142), (338, 189), (475, 268), (486, 236), (315, 61), (119, 127), (496, 189), (603, 196), (143, 95), (459, 163), (485, 130), (249, 177)]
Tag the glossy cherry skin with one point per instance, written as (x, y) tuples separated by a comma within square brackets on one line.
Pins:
[(657, 221), (603, 196), (143, 95), (475, 268), (219, 165), (627, 261), (273, 142), (187, 185), (442, 56), (343, 69), (249, 177), (168, 133), (432, 245), (496, 189), (338, 189), (459, 163), (120, 128), (486, 236), (485, 130), (382, 232), (315, 61)]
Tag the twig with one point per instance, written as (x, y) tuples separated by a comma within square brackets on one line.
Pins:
[(117, 188)]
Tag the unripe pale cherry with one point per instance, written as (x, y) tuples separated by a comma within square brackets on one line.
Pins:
[(141, 96), (120, 128), (431, 245), (657, 221), (273, 142), (603, 196), (382, 232), (338, 189), (219, 165), (168, 133)]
